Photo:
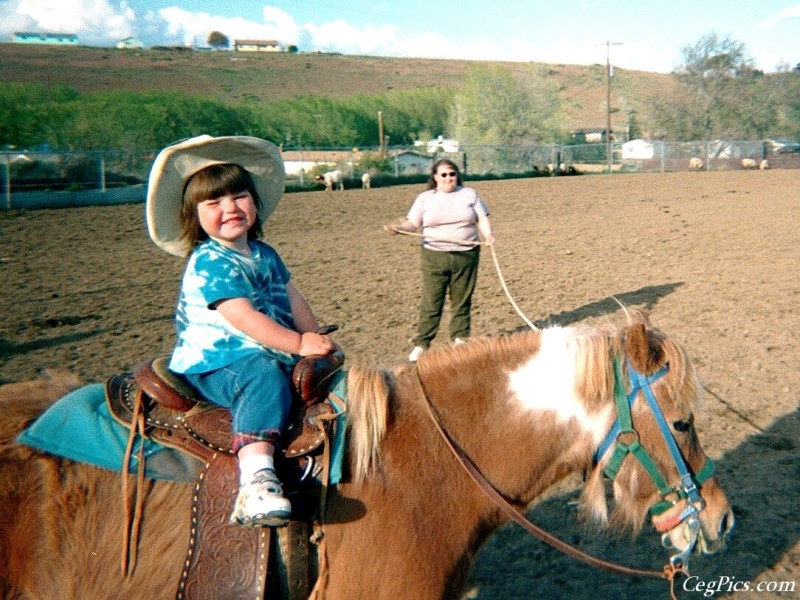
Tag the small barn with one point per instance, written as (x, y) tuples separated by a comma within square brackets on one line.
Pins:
[(257, 45)]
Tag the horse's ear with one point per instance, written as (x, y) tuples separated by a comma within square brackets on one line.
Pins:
[(643, 350)]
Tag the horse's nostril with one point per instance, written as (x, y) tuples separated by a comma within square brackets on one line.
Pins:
[(726, 524)]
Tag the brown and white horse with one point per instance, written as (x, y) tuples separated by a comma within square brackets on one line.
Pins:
[(527, 409)]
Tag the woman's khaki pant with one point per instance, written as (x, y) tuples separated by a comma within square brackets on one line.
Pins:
[(456, 272)]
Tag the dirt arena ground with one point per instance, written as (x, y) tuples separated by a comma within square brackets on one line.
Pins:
[(714, 256)]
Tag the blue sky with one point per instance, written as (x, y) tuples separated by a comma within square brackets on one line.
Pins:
[(650, 35)]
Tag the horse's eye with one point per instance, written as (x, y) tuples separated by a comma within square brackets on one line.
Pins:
[(682, 426)]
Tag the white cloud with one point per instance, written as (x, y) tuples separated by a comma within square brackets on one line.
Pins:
[(343, 37), (792, 12), (185, 27), (283, 25), (104, 22), (94, 21)]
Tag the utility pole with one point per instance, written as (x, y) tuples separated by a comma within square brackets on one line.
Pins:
[(381, 138), (608, 101)]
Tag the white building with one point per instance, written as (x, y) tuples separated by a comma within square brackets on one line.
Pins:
[(257, 45), (440, 144), (642, 150), (130, 43)]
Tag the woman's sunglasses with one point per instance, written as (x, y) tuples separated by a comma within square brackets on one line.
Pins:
[(449, 174)]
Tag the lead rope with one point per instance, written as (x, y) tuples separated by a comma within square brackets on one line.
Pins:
[(528, 322)]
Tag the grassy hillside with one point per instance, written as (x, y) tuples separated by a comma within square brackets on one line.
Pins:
[(238, 77)]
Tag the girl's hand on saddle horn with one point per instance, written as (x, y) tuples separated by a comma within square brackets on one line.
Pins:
[(314, 343)]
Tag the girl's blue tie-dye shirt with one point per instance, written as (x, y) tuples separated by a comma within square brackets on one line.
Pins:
[(206, 341)]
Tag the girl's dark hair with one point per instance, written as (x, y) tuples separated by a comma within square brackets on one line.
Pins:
[(212, 182), (435, 167)]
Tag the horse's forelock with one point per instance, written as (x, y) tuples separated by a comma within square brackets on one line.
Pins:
[(629, 510), (593, 504)]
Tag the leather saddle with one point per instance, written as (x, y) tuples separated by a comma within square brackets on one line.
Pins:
[(176, 417), (156, 403)]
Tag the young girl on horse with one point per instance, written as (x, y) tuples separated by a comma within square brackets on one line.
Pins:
[(241, 323)]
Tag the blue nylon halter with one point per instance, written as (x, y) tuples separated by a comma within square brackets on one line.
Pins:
[(640, 382), (623, 424)]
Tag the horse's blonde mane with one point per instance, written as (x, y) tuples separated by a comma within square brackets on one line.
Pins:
[(368, 408)]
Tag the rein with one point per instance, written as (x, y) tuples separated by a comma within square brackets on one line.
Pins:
[(669, 572)]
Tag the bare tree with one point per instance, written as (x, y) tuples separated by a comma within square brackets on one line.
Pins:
[(724, 95)]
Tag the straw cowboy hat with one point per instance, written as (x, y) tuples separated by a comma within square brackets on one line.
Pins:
[(175, 164)]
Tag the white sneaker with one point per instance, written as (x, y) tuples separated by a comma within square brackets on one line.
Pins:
[(261, 503), (415, 353), (459, 341)]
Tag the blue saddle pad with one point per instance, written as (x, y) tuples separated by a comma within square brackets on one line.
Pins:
[(339, 388), (80, 427)]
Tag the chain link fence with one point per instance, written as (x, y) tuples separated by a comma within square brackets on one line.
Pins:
[(52, 179), (634, 156)]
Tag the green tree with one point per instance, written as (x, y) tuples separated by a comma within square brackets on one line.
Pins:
[(495, 108), (217, 40), (31, 115), (634, 131)]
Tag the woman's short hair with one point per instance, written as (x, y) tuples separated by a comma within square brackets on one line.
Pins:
[(212, 182)]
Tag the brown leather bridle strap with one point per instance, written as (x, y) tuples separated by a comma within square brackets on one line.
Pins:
[(504, 505)]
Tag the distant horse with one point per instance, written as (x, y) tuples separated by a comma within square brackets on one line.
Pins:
[(527, 409), (332, 180)]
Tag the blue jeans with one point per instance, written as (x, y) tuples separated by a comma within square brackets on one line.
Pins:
[(256, 390)]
